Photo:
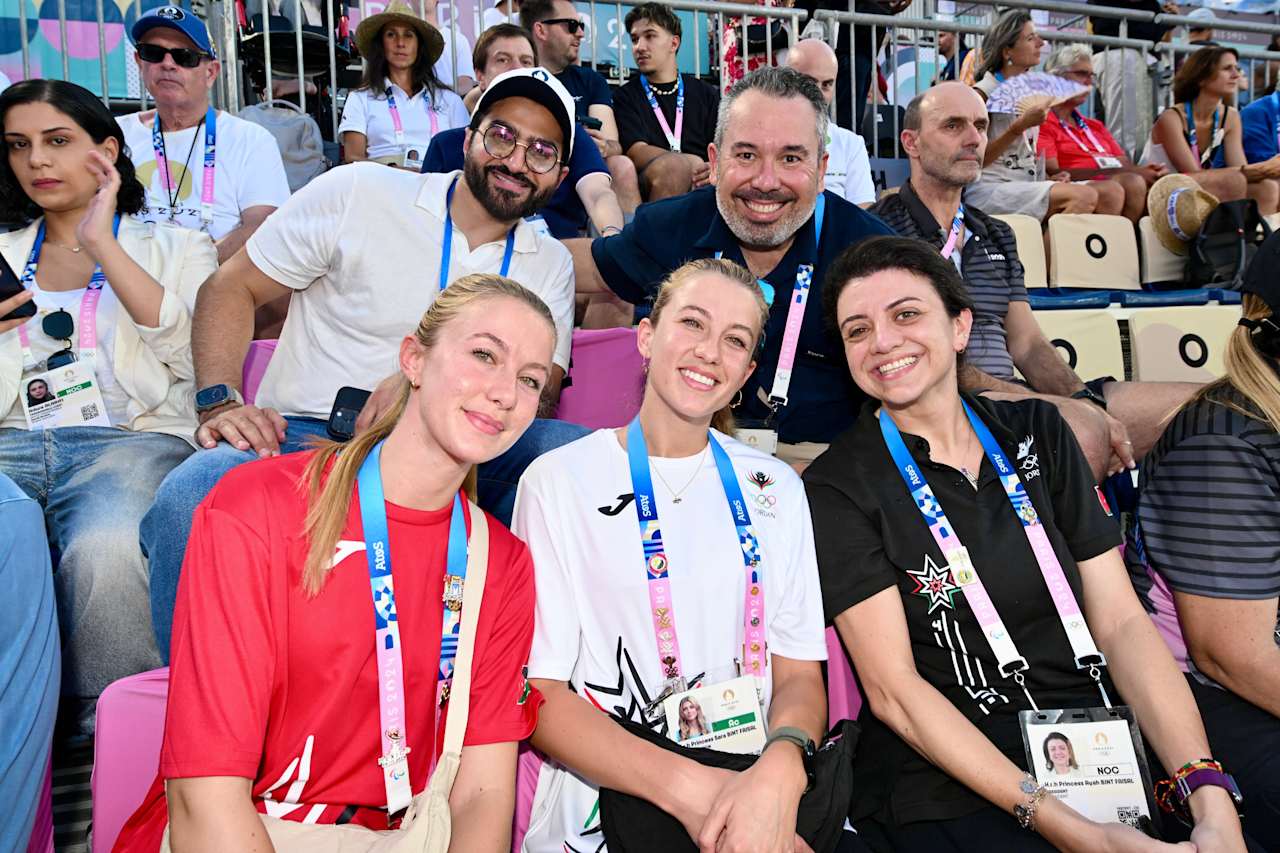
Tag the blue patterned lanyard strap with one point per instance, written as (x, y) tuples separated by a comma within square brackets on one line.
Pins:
[(390, 659), (446, 250), (210, 159), (656, 565)]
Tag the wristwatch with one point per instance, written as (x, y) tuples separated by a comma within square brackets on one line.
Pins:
[(1087, 393), (213, 396), (808, 749)]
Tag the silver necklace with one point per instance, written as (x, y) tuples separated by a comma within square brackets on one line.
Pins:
[(675, 495), (75, 250), (971, 476)]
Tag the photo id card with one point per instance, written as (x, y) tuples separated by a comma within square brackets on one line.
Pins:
[(62, 397), (764, 440), (725, 716), (1105, 161), (413, 157), (1092, 759)]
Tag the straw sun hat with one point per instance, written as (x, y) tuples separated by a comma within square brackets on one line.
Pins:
[(400, 12), (1178, 209)]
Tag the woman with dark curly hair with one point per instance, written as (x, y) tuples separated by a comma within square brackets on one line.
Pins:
[(1201, 136), (111, 338)]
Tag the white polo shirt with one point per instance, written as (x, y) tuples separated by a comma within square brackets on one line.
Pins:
[(848, 169), (369, 113), (247, 171), (360, 245)]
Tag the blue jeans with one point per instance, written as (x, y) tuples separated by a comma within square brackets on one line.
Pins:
[(30, 667), (95, 484), (167, 525)]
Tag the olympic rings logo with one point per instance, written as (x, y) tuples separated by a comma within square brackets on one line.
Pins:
[(763, 500)]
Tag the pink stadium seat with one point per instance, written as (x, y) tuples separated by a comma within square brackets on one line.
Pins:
[(42, 832), (528, 766), (844, 699), (255, 365), (606, 379), (126, 750)]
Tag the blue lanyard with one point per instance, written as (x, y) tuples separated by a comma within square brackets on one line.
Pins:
[(1191, 134), (656, 564), (96, 280), (447, 249), (210, 159), (804, 270)]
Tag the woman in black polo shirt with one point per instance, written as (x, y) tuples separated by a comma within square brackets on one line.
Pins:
[(1204, 555), (942, 764)]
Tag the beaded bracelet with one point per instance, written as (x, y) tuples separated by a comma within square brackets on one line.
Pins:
[(1026, 813)]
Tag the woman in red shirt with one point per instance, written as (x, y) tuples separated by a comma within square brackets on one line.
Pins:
[(275, 703), (1082, 146)]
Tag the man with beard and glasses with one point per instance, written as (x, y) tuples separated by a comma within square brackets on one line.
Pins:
[(364, 250), (767, 164)]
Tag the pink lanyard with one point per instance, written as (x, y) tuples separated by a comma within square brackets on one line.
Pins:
[(210, 159), (957, 222), (395, 116), (673, 137), (1098, 146)]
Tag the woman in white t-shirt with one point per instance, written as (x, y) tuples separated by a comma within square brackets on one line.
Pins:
[(110, 342), (623, 623), (401, 103)]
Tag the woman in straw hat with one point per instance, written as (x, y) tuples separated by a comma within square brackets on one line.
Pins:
[(1203, 553), (1178, 206), (327, 597), (1201, 132), (401, 103)]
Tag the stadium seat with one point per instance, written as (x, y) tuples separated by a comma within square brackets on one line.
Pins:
[(126, 750), (605, 381), (1180, 344), (1088, 340), (255, 366), (1092, 251), (1026, 230), (844, 699), (1159, 265)]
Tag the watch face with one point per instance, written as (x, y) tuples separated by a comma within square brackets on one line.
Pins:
[(211, 396)]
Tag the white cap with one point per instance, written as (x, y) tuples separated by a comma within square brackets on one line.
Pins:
[(538, 85), (1204, 15)]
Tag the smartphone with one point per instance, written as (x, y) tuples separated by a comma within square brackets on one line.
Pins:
[(10, 286), (590, 122), (346, 408)]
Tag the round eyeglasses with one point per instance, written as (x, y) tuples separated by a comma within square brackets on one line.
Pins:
[(540, 156)]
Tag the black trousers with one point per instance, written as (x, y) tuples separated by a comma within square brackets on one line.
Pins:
[(987, 831)]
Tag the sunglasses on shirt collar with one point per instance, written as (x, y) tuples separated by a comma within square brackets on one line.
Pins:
[(183, 56), (573, 25)]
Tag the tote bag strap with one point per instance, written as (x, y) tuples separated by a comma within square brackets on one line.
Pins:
[(455, 727)]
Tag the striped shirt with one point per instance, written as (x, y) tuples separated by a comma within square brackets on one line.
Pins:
[(988, 264), (1208, 520)]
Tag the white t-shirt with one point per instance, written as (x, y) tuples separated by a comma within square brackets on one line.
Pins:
[(593, 626), (848, 169), (43, 346), (494, 16), (247, 171), (368, 113), (361, 246), (444, 65)]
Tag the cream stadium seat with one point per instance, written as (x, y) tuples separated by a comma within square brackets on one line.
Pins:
[(1088, 340), (1159, 265), (1181, 344), (1091, 251), (1026, 230)]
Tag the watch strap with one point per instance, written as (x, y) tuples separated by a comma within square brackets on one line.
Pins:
[(233, 396), (794, 735), (1201, 776)]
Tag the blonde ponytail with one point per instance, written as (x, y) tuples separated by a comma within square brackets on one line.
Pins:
[(1249, 372), (329, 494)]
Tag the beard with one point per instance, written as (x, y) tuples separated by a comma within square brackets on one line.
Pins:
[(760, 236), (501, 204)]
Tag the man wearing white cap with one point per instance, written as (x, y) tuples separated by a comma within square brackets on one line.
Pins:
[(364, 250), (202, 168)]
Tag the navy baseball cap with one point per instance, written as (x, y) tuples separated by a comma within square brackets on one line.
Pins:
[(175, 18)]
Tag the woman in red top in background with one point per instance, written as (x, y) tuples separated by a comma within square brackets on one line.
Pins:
[(1082, 146), (274, 699)]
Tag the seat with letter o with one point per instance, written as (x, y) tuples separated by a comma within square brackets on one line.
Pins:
[(1093, 251), (1181, 344), (1087, 340)]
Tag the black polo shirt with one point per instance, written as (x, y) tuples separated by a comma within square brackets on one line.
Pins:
[(988, 264), (870, 535), (587, 87), (637, 123), (823, 400)]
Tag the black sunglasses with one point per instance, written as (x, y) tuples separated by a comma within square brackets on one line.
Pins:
[(570, 24), (184, 56)]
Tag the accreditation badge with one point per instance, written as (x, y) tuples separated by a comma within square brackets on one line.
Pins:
[(725, 716), (1092, 759), (413, 156), (71, 398), (764, 440), (1106, 162)]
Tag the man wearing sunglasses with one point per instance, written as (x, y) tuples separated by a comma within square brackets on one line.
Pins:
[(558, 31), (364, 250), (202, 168)]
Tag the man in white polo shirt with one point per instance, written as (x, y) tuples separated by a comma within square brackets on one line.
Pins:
[(848, 169), (363, 250), (202, 168)]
